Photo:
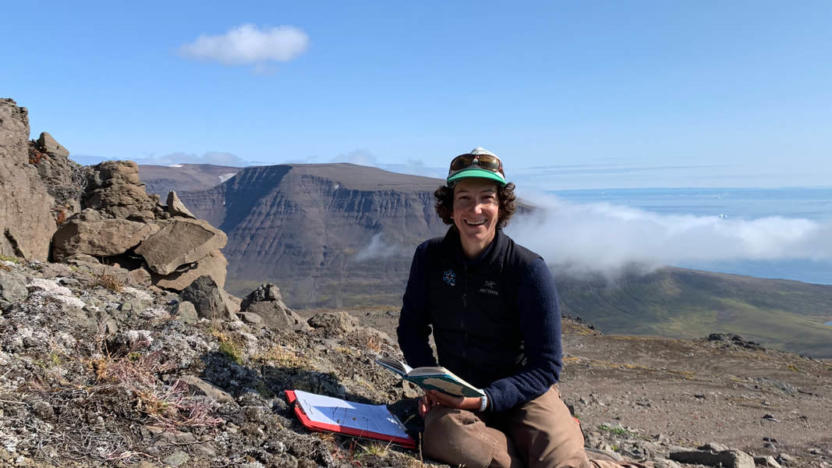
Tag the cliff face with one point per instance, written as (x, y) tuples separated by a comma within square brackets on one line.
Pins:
[(325, 233), (26, 220)]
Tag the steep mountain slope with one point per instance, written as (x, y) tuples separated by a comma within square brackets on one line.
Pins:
[(162, 179), (329, 235)]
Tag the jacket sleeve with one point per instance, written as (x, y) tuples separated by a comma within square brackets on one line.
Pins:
[(539, 320), (414, 321)]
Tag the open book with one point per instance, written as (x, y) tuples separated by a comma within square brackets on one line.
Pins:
[(432, 378)]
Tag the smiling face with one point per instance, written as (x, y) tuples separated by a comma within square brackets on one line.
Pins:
[(475, 214)]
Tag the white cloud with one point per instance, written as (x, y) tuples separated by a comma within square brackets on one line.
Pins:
[(218, 158), (607, 238), (377, 248), (248, 44), (362, 157)]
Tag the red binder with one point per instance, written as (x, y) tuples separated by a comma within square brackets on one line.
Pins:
[(354, 419)]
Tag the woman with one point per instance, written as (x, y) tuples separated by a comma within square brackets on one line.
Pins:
[(492, 308)]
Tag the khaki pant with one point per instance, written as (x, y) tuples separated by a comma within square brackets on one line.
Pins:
[(540, 433)]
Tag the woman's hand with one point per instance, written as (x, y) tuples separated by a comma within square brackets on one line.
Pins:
[(436, 398)]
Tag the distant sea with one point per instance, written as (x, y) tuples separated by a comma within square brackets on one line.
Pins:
[(735, 203)]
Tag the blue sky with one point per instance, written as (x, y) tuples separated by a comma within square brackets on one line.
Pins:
[(571, 94)]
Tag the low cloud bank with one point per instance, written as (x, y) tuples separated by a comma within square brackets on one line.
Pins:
[(602, 237)]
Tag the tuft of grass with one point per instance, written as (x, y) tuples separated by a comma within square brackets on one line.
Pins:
[(228, 346), (110, 282), (232, 351), (5, 258), (168, 405), (280, 356), (374, 449)]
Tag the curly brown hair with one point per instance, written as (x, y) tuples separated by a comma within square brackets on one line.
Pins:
[(444, 196)]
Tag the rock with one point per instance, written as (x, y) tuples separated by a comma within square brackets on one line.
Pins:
[(786, 459), (177, 458), (186, 313), (714, 447), (206, 388), (49, 145), (334, 323), (138, 277), (26, 219), (56, 292), (114, 188), (726, 458), (88, 234), (12, 288), (180, 242), (176, 207), (210, 301), (64, 178), (267, 302), (43, 410), (130, 340), (265, 292), (214, 265), (251, 318), (766, 462), (665, 463)]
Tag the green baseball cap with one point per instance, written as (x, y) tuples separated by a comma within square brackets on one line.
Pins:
[(479, 163)]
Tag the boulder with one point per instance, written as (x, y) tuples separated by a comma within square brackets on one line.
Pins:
[(334, 323), (49, 145), (12, 288), (26, 219), (267, 302), (114, 188), (179, 242), (186, 312), (177, 208), (86, 233), (139, 277), (726, 458), (209, 299), (213, 265)]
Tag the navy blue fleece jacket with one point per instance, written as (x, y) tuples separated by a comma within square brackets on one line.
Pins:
[(533, 310)]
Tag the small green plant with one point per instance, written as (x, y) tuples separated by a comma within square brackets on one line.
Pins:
[(373, 449), (5, 258), (52, 360), (232, 351), (616, 430)]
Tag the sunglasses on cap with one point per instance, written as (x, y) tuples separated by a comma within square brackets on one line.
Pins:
[(478, 163)]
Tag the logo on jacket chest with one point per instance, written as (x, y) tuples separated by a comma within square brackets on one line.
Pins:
[(489, 287), (449, 277)]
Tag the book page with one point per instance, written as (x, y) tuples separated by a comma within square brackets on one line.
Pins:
[(330, 410)]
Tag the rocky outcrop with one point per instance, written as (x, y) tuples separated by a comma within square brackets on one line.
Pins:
[(26, 218), (180, 242), (65, 179), (90, 233), (121, 224), (114, 189)]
